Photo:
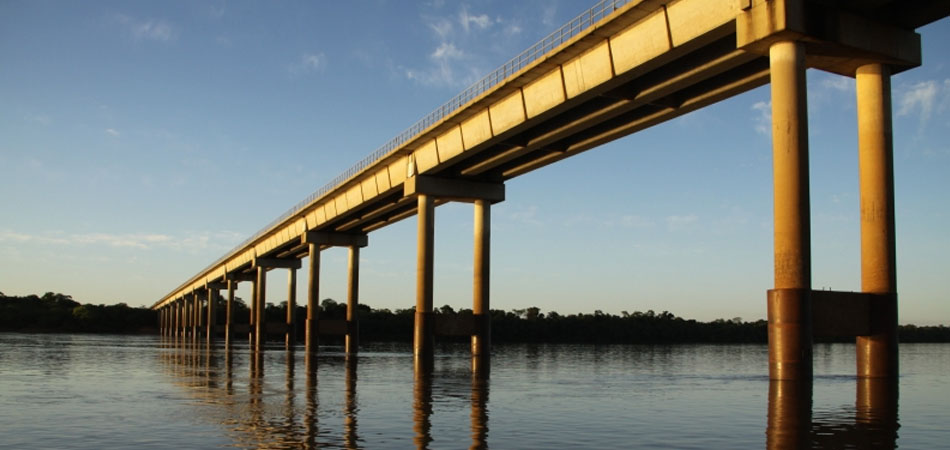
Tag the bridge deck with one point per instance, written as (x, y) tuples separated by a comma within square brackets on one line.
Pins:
[(646, 62)]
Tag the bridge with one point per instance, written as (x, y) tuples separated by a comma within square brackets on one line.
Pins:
[(618, 68)]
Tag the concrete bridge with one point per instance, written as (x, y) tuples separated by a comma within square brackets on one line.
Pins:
[(619, 68)]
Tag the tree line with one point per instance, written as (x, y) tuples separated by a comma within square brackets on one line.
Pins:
[(59, 312)]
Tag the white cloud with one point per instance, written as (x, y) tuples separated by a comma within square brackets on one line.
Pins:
[(924, 98), (308, 63), (763, 120), (838, 83), (442, 28), (467, 20), (148, 29), (443, 71), (112, 132), (222, 240)]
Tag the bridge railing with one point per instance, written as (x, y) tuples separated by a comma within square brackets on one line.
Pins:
[(598, 12)]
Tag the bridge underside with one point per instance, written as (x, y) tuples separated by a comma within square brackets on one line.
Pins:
[(648, 62)]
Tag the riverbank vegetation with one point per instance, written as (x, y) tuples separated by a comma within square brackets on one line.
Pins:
[(54, 312)]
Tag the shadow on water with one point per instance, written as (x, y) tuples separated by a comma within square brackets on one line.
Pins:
[(268, 412)]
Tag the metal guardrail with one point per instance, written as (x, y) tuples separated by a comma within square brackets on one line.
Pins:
[(596, 13)]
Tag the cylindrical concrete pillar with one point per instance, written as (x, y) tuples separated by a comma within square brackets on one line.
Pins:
[(352, 342), (423, 339), (260, 324), (313, 299), (195, 315), (252, 319), (790, 337), (212, 312), (481, 339), (877, 353), (291, 337), (229, 314)]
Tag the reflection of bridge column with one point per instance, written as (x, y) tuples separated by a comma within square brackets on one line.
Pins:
[(877, 353), (427, 189), (789, 304), (479, 414), (789, 418), (350, 404), (422, 408), (876, 407)]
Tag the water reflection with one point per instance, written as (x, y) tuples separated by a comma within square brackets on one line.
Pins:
[(871, 424), (265, 408), (305, 401)]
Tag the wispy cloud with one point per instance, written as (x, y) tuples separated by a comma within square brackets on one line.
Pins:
[(449, 64), (838, 83), (481, 21), (112, 132), (148, 29), (762, 122), (309, 62), (924, 98), (141, 241)]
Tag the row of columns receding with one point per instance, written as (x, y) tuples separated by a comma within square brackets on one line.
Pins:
[(195, 313), (792, 310)]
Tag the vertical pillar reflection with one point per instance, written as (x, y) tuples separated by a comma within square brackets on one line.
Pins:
[(877, 417), (789, 417), (479, 414), (422, 408), (350, 405)]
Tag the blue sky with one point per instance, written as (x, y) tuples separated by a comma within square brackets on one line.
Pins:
[(140, 141)]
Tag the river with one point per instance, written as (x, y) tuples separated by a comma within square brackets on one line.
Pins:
[(72, 391)]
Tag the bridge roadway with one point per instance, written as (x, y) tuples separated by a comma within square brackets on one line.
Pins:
[(619, 68)]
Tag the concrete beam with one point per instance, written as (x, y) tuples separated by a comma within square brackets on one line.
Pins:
[(836, 41), (232, 276), (330, 239), (216, 285), (459, 190), (274, 263)]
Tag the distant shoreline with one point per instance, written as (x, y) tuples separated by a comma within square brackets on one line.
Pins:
[(59, 313)]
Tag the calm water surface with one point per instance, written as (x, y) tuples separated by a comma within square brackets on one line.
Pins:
[(118, 392)]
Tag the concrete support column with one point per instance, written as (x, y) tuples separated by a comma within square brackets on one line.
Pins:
[(177, 307), (313, 298), (195, 315), (252, 307), (352, 300), (481, 339), (229, 313), (877, 353), (423, 339), (212, 312), (291, 337), (260, 328), (789, 304)]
